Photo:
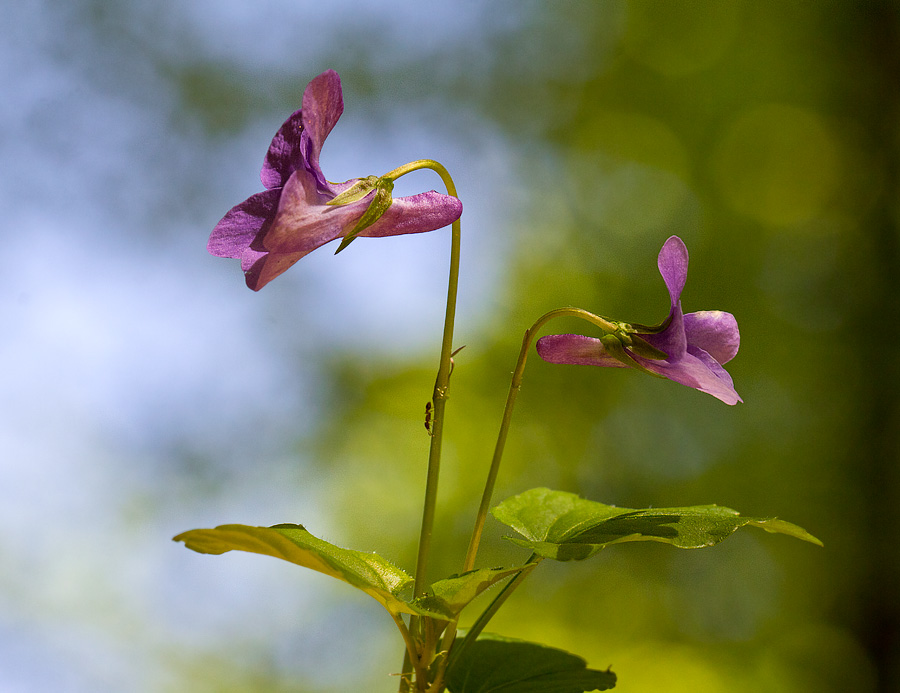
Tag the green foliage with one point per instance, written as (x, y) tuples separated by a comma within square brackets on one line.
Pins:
[(564, 527), (369, 572), (451, 595), (505, 665)]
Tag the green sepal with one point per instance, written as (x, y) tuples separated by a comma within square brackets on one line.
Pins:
[(494, 664), (614, 346), (646, 350), (627, 335), (369, 572), (380, 203), (564, 527), (451, 595), (355, 192), (651, 329)]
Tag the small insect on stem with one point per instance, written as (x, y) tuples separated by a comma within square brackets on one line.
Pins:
[(429, 406)]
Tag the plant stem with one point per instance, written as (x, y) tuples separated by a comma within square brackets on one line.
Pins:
[(410, 652), (486, 615), (451, 653), (439, 400), (514, 388)]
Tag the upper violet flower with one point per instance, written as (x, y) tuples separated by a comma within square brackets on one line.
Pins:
[(693, 347), (273, 229)]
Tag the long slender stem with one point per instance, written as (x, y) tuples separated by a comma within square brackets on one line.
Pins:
[(441, 384), (439, 400), (514, 387)]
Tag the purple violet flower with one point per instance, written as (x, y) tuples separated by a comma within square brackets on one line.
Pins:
[(273, 229), (695, 345)]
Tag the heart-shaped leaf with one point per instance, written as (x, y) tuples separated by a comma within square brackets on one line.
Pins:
[(494, 664), (564, 527)]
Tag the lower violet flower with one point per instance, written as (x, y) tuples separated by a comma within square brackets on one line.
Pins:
[(694, 345), (273, 229)]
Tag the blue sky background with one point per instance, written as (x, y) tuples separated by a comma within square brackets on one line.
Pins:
[(147, 391), (129, 349)]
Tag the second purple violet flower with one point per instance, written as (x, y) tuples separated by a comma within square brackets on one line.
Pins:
[(695, 346)]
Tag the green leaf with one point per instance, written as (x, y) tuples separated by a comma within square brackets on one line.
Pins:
[(564, 527), (369, 572), (494, 664), (453, 594)]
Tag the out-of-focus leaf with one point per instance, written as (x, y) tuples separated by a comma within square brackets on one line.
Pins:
[(504, 665), (564, 527)]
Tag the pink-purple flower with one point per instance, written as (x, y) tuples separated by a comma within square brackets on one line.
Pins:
[(273, 229), (694, 345)]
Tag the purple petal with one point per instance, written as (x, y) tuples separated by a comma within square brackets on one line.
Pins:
[(304, 222), (242, 224), (714, 366), (672, 340), (673, 266), (285, 154), (416, 214), (724, 389), (698, 370), (267, 266), (323, 105), (575, 349), (250, 257), (715, 332)]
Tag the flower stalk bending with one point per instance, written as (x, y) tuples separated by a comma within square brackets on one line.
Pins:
[(297, 212), (438, 402)]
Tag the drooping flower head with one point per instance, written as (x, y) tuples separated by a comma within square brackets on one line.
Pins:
[(694, 346), (271, 230)]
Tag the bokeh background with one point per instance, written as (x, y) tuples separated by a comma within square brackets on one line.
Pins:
[(146, 391)]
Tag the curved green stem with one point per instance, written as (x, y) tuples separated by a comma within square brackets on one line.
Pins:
[(441, 383), (439, 399), (514, 388)]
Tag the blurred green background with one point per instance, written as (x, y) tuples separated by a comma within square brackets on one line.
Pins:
[(149, 392)]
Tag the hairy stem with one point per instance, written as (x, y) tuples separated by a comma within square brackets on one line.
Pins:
[(411, 655)]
